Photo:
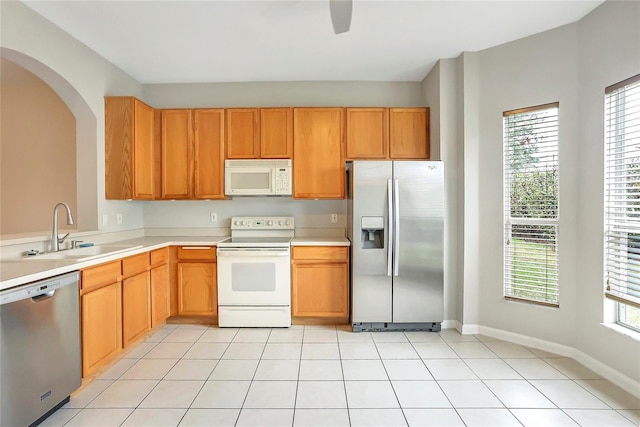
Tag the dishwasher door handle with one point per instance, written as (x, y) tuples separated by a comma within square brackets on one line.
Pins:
[(44, 296)]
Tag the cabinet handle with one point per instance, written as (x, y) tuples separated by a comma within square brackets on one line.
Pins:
[(196, 248)]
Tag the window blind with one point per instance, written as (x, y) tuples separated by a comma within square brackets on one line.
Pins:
[(622, 191), (531, 204)]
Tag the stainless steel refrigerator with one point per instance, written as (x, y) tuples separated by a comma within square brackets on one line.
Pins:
[(396, 227)]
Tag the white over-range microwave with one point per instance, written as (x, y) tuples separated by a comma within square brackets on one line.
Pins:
[(257, 177)]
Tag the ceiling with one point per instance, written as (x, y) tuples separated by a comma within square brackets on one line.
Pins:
[(293, 40)]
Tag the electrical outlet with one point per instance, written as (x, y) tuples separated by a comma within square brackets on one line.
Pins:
[(105, 219), (119, 218), (214, 217), (334, 218)]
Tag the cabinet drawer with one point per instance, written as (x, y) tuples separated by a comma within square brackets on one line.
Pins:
[(101, 275), (135, 264), (197, 252), (334, 253), (160, 256)]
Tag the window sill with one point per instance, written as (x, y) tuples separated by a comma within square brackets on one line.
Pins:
[(622, 330)]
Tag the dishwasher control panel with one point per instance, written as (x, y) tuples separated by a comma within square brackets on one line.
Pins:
[(36, 289)]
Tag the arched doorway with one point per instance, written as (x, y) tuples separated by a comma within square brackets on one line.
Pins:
[(85, 145)]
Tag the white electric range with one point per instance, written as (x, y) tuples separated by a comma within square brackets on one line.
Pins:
[(254, 273)]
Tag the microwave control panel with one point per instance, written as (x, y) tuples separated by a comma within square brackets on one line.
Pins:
[(283, 180)]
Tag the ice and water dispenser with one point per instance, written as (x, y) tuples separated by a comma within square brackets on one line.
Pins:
[(372, 231)]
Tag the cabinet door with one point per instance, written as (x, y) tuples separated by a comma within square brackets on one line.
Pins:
[(209, 154), (242, 133), (129, 139), (367, 133), (409, 134), (177, 147), (136, 319), (320, 289), (276, 133), (318, 155), (159, 295), (101, 327), (143, 154), (197, 291)]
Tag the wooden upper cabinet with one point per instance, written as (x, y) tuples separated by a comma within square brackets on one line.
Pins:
[(409, 133), (208, 154), (177, 154), (276, 133), (242, 133), (367, 133), (129, 149), (318, 153)]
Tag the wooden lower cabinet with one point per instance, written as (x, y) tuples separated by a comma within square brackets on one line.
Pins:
[(136, 316), (320, 282), (159, 295), (197, 288), (101, 326)]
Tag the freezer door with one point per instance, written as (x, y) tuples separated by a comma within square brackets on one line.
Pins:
[(371, 292), (418, 284)]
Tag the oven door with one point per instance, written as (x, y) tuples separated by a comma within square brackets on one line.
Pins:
[(254, 276)]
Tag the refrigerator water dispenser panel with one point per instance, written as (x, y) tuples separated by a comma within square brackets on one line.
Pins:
[(372, 232)]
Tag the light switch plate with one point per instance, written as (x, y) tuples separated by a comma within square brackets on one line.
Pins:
[(213, 217), (119, 218)]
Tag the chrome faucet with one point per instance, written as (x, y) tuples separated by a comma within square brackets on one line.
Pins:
[(55, 240)]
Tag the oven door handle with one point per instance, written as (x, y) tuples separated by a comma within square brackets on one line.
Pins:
[(251, 253)]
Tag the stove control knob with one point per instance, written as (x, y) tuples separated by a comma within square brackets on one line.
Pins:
[(269, 223), (236, 223), (288, 223), (281, 222), (244, 223)]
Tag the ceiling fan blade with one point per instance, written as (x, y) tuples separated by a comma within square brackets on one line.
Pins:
[(340, 15)]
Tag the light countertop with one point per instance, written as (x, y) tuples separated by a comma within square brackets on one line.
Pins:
[(320, 241), (17, 271)]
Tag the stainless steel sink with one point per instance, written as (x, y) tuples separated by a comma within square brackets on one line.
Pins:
[(84, 254)]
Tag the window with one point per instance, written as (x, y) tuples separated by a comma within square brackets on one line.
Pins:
[(622, 199), (531, 204)]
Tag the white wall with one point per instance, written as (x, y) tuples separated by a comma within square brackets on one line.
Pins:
[(532, 71), (439, 90), (81, 78), (284, 94), (196, 214), (609, 52), (468, 126), (572, 65)]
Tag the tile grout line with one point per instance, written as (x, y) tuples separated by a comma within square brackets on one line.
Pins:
[(160, 380), (206, 379), (436, 381), (254, 373), (344, 381)]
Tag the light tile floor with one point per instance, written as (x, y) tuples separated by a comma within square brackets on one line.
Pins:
[(190, 375)]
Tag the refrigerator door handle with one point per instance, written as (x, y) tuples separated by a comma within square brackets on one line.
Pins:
[(390, 228), (396, 232)]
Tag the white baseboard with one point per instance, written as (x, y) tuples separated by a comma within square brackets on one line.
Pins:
[(605, 371), (469, 329), (451, 324)]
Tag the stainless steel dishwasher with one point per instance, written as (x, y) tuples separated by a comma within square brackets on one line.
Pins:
[(40, 349)]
